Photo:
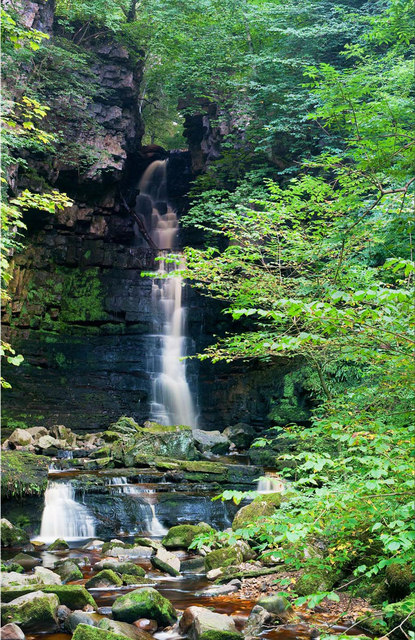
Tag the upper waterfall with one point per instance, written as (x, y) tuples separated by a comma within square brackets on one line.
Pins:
[(171, 401)]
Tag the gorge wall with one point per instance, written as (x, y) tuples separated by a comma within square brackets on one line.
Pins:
[(79, 310)]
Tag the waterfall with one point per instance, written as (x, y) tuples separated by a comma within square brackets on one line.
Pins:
[(171, 402), (62, 516), (152, 524), (270, 484)]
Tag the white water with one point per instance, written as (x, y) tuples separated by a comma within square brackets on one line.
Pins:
[(172, 402), (152, 524), (270, 484), (63, 517)]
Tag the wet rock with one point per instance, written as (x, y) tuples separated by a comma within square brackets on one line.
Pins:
[(260, 507), (213, 573), (121, 567), (148, 542), (277, 605), (125, 629), (197, 621), (105, 578), (146, 625), (144, 603), (11, 632), (62, 613), (129, 579), (219, 590), (257, 619), (74, 596), (60, 432), (166, 561), (17, 579), (68, 570), (78, 617), (94, 544), (115, 549), (46, 576), (26, 561), (23, 474), (87, 632), (181, 536), (20, 437), (240, 434), (223, 558), (58, 545), (31, 609), (12, 536), (211, 441), (193, 565), (245, 549)]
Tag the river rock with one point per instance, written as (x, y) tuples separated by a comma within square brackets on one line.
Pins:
[(193, 565), (58, 545), (257, 619), (220, 590), (21, 437), (62, 613), (198, 620), (60, 432), (182, 535), (46, 576), (166, 561), (94, 544), (68, 570), (144, 603), (41, 576), (115, 549), (74, 596), (277, 605), (87, 632), (214, 573), (11, 566), (105, 578), (31, 609), (78, 617), (260, 507), (223, 558), (148, 542), (11, 632), (12, 536), (125, 629), (146, 625), (121, 567), (211, 441), (26, 561)]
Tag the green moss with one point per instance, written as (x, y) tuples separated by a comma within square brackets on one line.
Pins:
[(129, 579), (220, 635), (144, 603), (399, 578), (394, 614), (289, 406), (260, 507), (74, 596), (123, 567), (87, 632), (181, 536), (223, 558), (12, 536), (23, 474), (82, 296), (39, 610), (104, 578), (11, 566), (58, 545), (315, 581)]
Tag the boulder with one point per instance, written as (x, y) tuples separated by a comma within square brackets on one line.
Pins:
[(240, 434), (220, 635), (181, 536), (20, 438), (48, 442), (199, 620), (116, 549), (11, 566), (316, 580), (37, 432), (144, 603), (262, 506), (166, 561), (93, 544), (278, 606), (31, 609), (211, 441), (399, 577), (60, 432), (223, 558), (12, 536), (193, 565), (74, 596), (63, 612), (256, 621), (68, 570), (220, 590), (78, 617), (11, 632), (214, 573), (41, 576), (46, 576), (125, 629), (58, 545), (121, 567), (128, 579), (105, 578), (26, 561), (87, 632)]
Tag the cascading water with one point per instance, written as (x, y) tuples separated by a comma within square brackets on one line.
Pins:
[(152, 524), (63, 517), (172, 401)]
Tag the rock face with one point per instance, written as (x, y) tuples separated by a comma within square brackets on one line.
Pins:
[(144, 603)]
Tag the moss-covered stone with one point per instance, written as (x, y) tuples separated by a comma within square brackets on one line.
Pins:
[(125, 425), (398, 612), (87, 632), (23, 474), (31, 609), (162, 565), (316, 580), (182, 536), (125, 629), (122, 567), (68, 570), (58, 545), (220, 635), (105, 578), (129, 579), (11, 566), (12, 536), (399, 578), (278, 605), (260, 507), (144, 603), (74, 596), (223, 558)]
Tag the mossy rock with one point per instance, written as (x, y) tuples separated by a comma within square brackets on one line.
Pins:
[(220, 635), (68, 570), (224, 557), (58, 545), (123, 567), (12, 536), (316, 580), (161, 565), (11, 566), (182, 536), (125, 425), (113, 545), (23, 474), (399, 578), (394, 614), (278, 605), (144, 603), (105, 578), (125, 629), (31, 609), (129, 579), (110, 436), (87, 632), (262, 506), (74, 596)]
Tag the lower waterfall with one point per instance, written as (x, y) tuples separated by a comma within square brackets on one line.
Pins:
[(63, 517), (146, 509)]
